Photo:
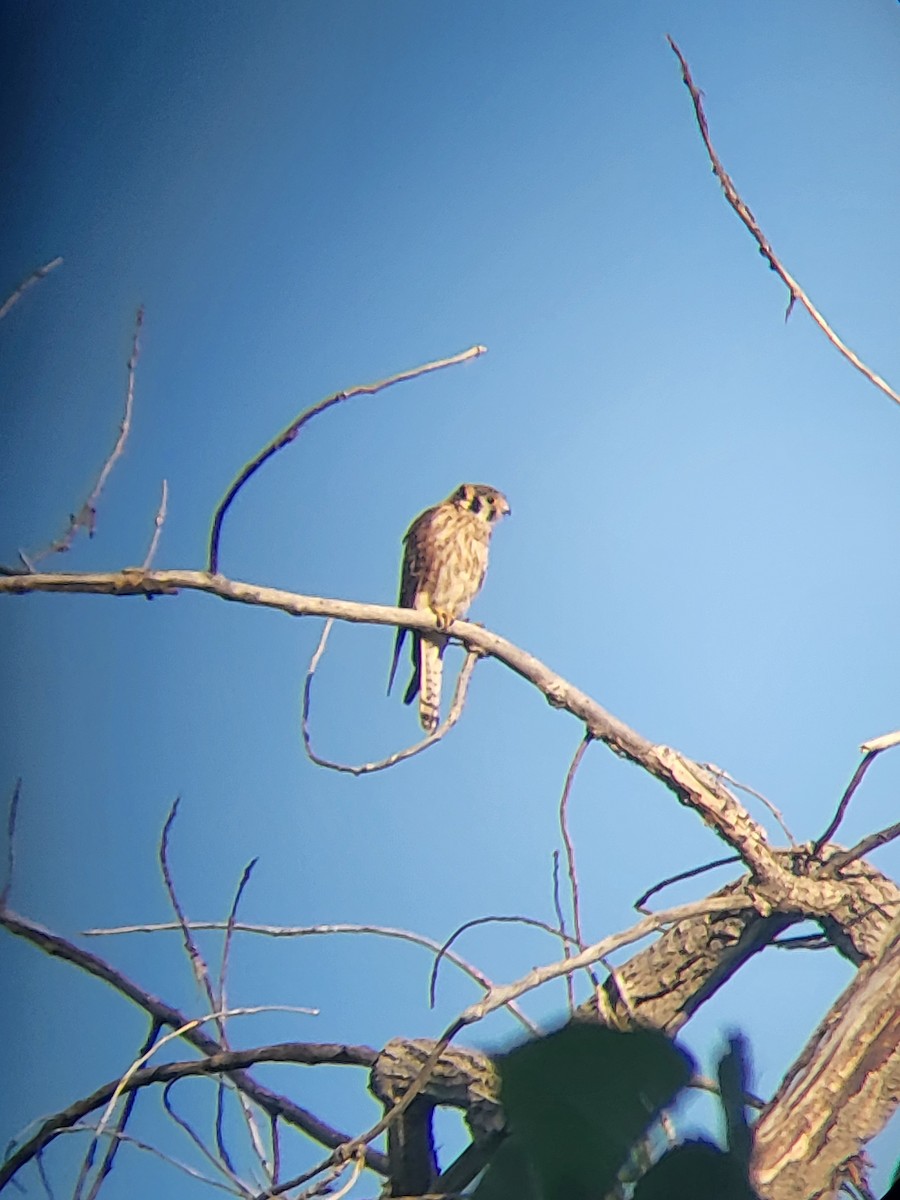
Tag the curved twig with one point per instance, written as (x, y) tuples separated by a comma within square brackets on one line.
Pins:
[(744, 787), (456, 707), (765, 249), (121, 1138), (270, 1102), (641, 901), (287, 435), (232, 1061), (27, 282), (404, 935), (867, 760), (114, 1135), (223, 1163), (444, 950), (863, 847), (570, 855), (535, 978)]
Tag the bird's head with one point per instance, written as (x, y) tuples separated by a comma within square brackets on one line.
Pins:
[(481, 500)]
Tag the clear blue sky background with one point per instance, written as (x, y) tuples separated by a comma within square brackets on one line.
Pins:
[(705, 506)]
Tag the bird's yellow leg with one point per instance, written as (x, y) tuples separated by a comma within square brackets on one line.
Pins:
[(443, 617)]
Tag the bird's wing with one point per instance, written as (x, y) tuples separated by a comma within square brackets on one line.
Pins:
[(413, 552)]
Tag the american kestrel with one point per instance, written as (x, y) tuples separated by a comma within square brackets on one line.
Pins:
[(445, 556)]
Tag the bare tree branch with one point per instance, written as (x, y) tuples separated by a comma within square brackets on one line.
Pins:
[(884, 742), (11, 817), (279, 931), (456, 708), (269, 1101), (127, 1139), (86, 517), (287, 435), (765, 249), (158, 523), (499, 996), (115, 1140), (231, 1061), (864, 847), (444, 950), (854, 783), (249, 1118), (743, 787), (569, 846), (562, 931), (693, 785), (692, 873), (27, 282), (222, 1163)]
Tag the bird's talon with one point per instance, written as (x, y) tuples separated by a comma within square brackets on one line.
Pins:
[(444, 618)]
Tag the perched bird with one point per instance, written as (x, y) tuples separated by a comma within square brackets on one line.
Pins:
[(445, 555)]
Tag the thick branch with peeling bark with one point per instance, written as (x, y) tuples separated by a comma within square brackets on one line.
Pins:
[(840, 1093)]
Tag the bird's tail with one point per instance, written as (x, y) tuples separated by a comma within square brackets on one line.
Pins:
[(431, 670)]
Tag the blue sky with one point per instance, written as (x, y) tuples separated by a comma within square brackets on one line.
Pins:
[(306, 197)]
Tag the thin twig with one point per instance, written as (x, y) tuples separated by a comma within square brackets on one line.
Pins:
[(641, 901), (11, 818), (537, 977), (563, 932), (27, 282), (249, 1119), (854, 783), (456, 708), (731, 195), (86, 517), (115, 1142), (720, 774), (129, 1139), (415, 1088), (232, 1061), (530, 922), (570, 854), (358, 1164), (276, 1147), (809, 941), (196, 959), (271, 1102), (289, 434), (222, 1164), (217, 1016), (404, 935), (42, 1175), (158, 523), (321, 1187), (862, 848), (500, 996)]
